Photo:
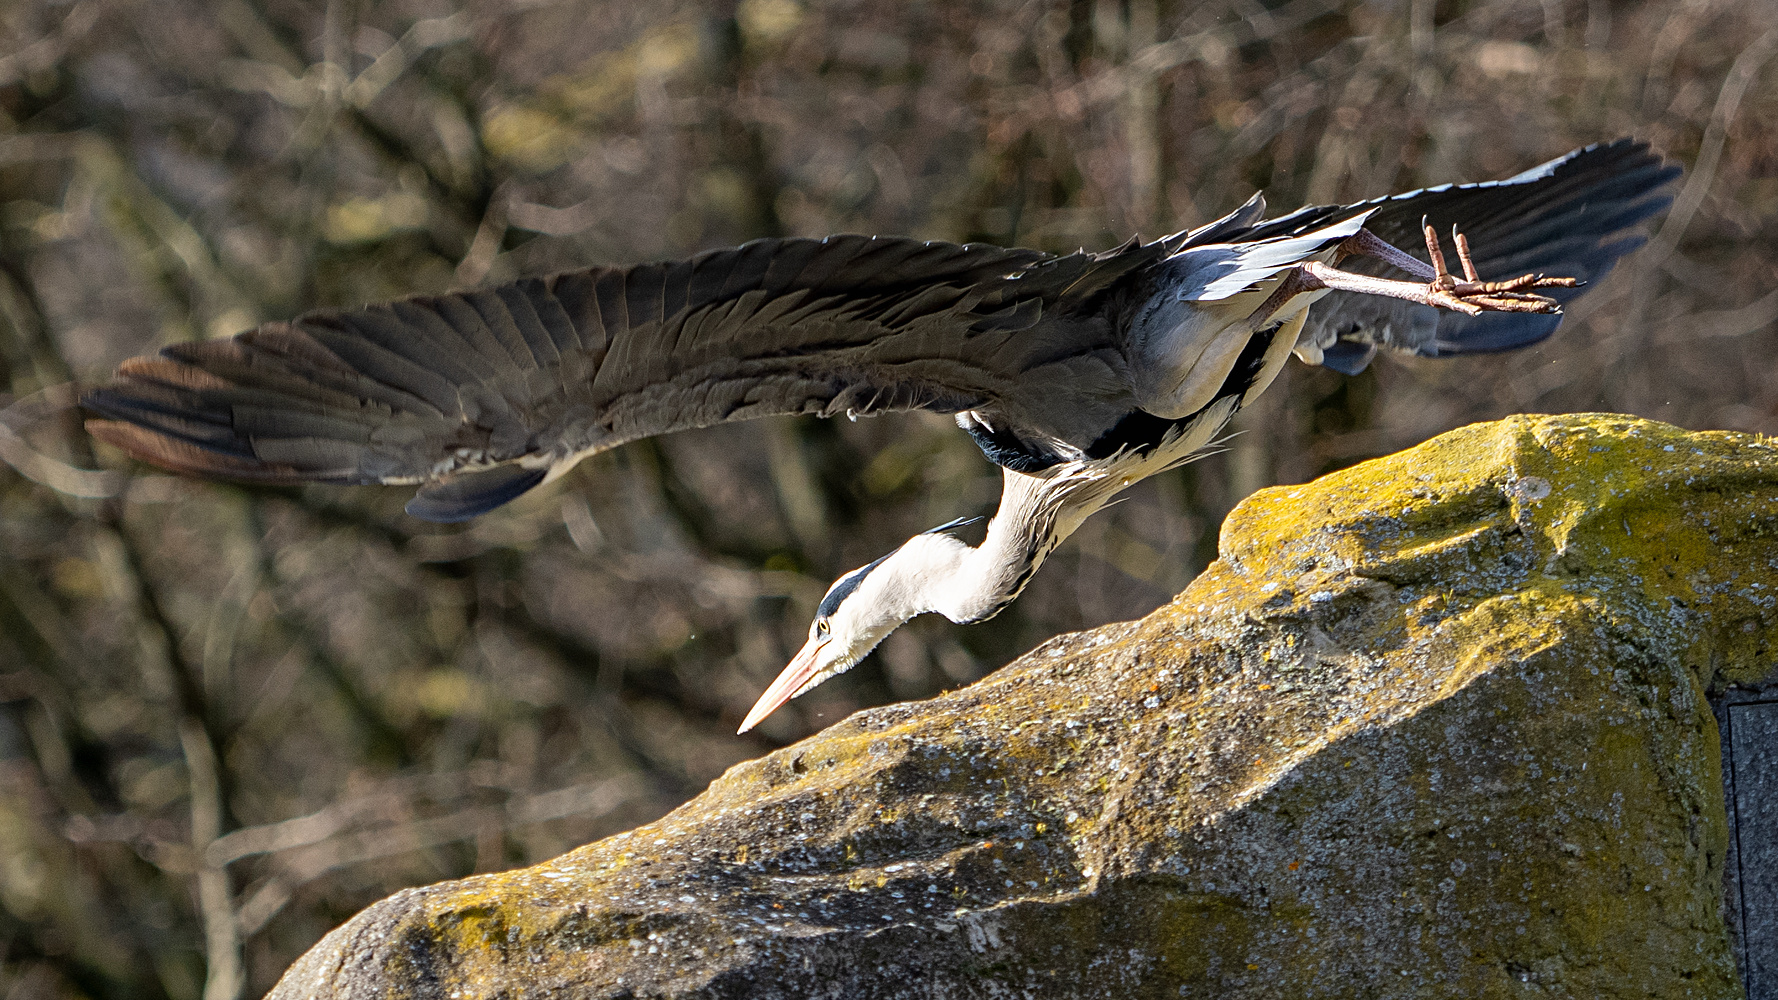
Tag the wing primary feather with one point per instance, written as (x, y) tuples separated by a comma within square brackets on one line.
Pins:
[(518, 308), (250, 356), (576, 296), (379, 325), (168, 410), (273, 420), (710, 274), (319, 458), (878, 263), (786, 262), (282, 339), (168, 386), (485, 309), (917, 263), (748, 266), (836, 253), (614, 305), (550, 313), (642, 288), (675, 289), (475, 361), (423, 387), (182, 456)]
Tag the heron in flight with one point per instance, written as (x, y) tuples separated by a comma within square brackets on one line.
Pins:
[(1077, 374)]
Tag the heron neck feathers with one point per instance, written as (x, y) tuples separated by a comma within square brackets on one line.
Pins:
[(1023, 532)]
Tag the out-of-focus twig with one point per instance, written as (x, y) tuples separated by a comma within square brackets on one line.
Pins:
[(223, 976), (44, 53), (385, 737), (486, 246), (279, 77), (40, 468), (429, 33), (309, 847), (1757, 315), (366, 812), (1632, 334), (1741, 75)]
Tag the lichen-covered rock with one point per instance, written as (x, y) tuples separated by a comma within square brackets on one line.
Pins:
[(1433, 726)]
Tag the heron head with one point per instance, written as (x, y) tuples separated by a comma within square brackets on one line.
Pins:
[(860, 609)]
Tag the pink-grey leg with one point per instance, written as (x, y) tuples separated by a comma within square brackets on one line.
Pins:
[(1439, 287)]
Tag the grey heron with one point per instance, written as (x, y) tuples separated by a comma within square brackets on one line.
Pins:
[(1078, 374)]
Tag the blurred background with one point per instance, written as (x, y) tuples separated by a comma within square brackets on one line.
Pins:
[(230, 718)]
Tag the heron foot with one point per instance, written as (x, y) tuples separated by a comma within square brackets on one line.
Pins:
[(1510, 295), (1442, 289)]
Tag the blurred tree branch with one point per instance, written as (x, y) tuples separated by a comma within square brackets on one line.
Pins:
[(229, 717)]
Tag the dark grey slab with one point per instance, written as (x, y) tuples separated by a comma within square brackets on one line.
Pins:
[(1748, 718)]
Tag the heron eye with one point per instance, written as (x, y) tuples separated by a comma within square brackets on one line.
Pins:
[(821, 627)]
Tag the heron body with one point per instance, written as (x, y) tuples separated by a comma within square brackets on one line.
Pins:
[(1078, 374)]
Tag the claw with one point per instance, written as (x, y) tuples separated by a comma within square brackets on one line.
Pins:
[(1462, 242), (1473, 296), (1469, 295), (1441, 277)]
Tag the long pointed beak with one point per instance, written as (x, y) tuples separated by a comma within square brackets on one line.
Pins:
[(795, 676)]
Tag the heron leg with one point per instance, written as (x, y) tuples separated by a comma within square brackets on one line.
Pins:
[(1365, 243), (1438, 287), (1296, 282)]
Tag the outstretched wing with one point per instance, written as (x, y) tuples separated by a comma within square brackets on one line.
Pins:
[(1571, 217), (480, 395)]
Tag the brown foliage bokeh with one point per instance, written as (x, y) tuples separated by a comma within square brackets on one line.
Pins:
[(231, 717)]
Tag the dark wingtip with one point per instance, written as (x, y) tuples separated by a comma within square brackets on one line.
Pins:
[(177, 455), (470, 494)]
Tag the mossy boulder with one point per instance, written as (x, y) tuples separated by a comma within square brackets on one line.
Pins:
[(1433, 726)]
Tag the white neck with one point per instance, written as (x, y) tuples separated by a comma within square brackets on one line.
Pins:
[(936, 572), (1022, 534), (1038, 512)]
